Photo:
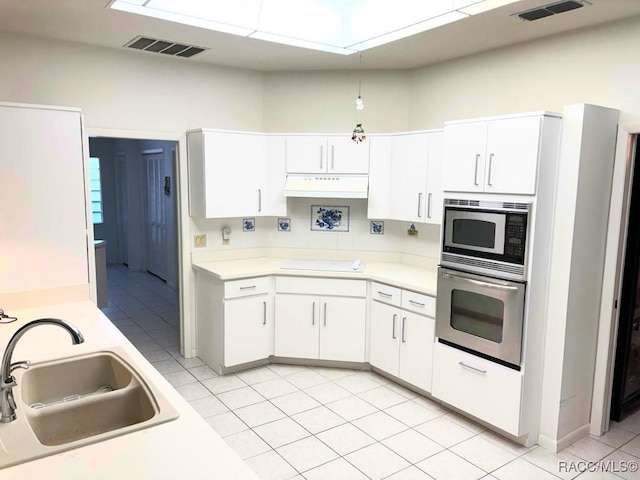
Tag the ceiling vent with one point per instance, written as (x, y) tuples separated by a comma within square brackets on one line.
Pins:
[(162, 46), (551, 9)]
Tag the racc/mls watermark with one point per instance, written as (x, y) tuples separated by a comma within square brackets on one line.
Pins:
[(611, 466)]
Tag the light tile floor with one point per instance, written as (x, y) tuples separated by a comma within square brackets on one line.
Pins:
[(298, 422)]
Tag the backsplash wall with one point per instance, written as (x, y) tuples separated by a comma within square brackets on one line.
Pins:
[(358, 238)]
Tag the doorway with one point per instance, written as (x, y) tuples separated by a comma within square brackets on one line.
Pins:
[(140, 200), (625, 395)]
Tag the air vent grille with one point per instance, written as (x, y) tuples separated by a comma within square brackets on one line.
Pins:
[(483, 266), (165, 47), (551, 9), (486, 204)]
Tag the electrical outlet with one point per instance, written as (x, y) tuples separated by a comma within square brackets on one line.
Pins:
[(199, 241)]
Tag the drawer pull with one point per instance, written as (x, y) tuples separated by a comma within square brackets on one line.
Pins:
[(413, 302), (385, 294), (248, 288), (475, 369), (393, 327), (264, 313), (404, 320)]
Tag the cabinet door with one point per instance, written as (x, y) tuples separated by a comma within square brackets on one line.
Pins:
[(234, 167), (434, 206), (512, 155), (306, 154), (274, 203), (416, 349), (384, 338), (464, 156), (296, 326), (379, 177), (342, 331), (247, 325), (347, 156), (410, 155)]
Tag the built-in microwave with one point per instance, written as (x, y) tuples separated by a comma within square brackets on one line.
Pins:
[(486, 237)]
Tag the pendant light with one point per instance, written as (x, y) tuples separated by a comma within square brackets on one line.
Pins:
[(358, 135)]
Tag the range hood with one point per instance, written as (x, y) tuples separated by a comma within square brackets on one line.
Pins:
[(327, 186)]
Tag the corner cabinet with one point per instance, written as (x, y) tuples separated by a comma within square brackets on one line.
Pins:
[(228, 174), (498, 155), (320, 319), (405, 182), (234, 323), (402, 334), (326, 154)]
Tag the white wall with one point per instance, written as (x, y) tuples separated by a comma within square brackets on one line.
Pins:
[(597, 66), (128, 90)]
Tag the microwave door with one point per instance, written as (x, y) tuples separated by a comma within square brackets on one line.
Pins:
[(474, 231)]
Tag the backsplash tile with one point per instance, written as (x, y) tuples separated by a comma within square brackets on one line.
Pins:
[(248, 224), (284, 224), (329, 218), (376, 227)]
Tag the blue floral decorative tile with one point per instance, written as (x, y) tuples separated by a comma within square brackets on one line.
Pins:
[(329, 218), (376, 228), (248, 224), (284, 224)]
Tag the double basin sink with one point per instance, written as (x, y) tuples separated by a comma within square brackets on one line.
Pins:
[(72, 402)]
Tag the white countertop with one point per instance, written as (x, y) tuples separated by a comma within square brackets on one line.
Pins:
[(184, 448), (419, 279)]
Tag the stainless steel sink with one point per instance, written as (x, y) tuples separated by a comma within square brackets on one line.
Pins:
[(68, 403)]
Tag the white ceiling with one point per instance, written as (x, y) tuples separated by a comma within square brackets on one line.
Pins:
[(90, 22)]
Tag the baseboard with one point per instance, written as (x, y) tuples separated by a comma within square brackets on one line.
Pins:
[(560, 444)]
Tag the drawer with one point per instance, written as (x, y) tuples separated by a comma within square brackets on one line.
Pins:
[(477, 386), (419, 303), (322, 286), (386, 294), (246, 287)]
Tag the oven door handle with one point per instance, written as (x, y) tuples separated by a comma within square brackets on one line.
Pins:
[(481, 283)]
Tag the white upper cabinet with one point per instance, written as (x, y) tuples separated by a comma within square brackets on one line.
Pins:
[(228, 174), (326, 154), (496, 155), (415, 191)]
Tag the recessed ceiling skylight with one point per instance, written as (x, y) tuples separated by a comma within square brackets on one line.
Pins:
[(336, 26)]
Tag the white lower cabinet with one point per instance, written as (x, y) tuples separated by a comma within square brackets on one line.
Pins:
[(484, 389), (402, 344), (247, 328), (326, 327), (234, 321)]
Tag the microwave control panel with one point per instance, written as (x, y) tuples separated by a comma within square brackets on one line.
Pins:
[(515, 235)]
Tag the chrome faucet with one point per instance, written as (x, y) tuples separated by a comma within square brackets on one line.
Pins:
[(7, 403)]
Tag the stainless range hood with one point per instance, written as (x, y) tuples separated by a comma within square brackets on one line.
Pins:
[(327, 186)]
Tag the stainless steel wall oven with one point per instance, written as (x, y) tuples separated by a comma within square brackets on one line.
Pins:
[(481, 280)]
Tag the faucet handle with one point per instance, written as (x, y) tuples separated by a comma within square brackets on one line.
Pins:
[(21, 364)]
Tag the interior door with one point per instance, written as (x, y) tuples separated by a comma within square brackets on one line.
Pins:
[(156, 215)]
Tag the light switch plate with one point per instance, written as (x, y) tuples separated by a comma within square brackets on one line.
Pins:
[(199, 241)]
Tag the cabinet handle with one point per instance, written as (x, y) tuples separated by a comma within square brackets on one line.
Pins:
[(490, 165), (429, 205), (404, 320), (420, 205), (413, 302), (264, 313), (393, 328), (248, 288), (333, 157), (475, 369), (475, 173), (313, 314), (384, 294), (321, 155), (259, 200), (325, 314)]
